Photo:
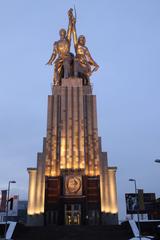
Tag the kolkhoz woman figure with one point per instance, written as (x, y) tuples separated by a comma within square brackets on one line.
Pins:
[(84, 64)]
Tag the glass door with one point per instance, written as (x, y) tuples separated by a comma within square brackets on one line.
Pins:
[(72, 214)]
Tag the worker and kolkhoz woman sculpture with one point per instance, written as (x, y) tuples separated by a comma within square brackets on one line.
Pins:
[(65, 64)]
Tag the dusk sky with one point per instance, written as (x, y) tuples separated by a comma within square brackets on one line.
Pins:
[(123, 37)]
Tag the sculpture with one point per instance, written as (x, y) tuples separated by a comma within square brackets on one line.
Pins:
[(62, 49), (83, 61), (66, 65)]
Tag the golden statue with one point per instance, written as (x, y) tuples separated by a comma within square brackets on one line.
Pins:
[(61, 48), (66, 65)]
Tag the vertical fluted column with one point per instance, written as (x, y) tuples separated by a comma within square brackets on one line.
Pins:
[(96, 152), (69, 129), (49, 136), (31, 190), (112, 189), (54, 136), (81, 128), (63, 129), (42, 187), (102, 182), (40, 181), (91, 136), (107, 205), (75, 128), (38, 185)]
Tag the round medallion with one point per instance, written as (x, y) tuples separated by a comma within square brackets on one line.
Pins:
[(73, 184)]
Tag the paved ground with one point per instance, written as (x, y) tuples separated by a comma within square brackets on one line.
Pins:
[(72, 232)]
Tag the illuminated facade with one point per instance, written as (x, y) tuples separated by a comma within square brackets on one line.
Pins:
[(72, 183)]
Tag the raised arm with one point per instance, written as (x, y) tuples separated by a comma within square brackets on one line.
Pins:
[(72, 27), (70, 15), (54, 54), (75, 40)]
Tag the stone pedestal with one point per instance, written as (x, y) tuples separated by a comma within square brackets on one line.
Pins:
[(72, 171)]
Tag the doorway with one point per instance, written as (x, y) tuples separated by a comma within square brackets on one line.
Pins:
[(72, 214)]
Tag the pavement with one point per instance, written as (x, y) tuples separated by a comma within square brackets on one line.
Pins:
[(72, 232)]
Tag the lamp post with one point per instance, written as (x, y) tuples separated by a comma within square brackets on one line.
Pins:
[(8, 192), (136, 193), (157, 160)]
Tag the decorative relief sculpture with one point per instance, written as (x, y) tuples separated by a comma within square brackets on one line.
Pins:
[(73, 185)]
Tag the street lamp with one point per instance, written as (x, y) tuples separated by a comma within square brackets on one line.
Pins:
[(157, 160), (136, 193), (135, 184), (8, 192)]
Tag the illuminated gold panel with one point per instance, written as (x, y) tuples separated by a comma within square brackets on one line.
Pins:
[(31, 190), (72, 136), (112, 190)]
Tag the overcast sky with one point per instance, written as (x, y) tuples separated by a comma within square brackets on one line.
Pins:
[(123, 37)]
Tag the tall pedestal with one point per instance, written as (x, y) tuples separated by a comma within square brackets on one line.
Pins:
[(72, 182)]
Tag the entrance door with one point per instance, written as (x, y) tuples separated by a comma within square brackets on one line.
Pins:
[(72, 214)]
